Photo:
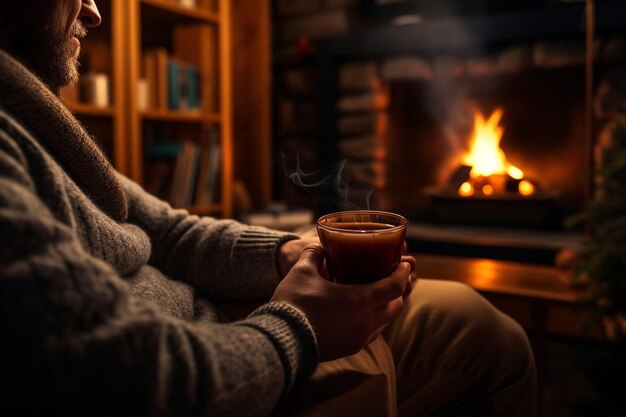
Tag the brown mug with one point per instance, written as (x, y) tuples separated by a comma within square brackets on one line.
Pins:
[(361, 246)]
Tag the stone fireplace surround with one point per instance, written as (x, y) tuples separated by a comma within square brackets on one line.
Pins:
[(351, 116)]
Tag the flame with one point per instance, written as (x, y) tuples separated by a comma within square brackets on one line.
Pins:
[(526, 188), (466, 189), (485, 156)]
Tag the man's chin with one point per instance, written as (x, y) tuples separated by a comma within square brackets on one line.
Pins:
[(61, 73)]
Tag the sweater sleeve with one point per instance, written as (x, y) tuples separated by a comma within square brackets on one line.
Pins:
[(227, 260), (74, 342)]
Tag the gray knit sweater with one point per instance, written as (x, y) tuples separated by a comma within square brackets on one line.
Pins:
[(104, 289)]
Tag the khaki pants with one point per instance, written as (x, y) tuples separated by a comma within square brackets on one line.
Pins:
[(450, 353)]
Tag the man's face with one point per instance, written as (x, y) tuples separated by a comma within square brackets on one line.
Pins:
[(47, 36)]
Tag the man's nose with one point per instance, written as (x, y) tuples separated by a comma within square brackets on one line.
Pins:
[(89, 14)]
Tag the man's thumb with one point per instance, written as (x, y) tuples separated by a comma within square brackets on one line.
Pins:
[(312, 255)]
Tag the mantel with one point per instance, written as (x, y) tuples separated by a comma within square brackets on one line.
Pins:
[(463, 35)]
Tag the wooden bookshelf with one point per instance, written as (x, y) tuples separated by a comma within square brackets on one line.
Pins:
[(167, 12), (199, 37), (90, 110)]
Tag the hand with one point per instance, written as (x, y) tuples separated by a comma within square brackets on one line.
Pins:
[(289, 253), (345, 318), (411, 261)]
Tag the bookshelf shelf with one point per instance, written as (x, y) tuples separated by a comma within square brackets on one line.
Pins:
[(167, 13), (83, 109), (181, 117), (205, 210)]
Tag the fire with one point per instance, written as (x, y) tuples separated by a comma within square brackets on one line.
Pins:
[(485, 156), (488, 160), (466, 189), (526, 188)]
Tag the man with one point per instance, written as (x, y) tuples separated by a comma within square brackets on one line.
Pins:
[(108, 295)]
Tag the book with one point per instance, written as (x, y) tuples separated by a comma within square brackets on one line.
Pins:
[(201, 83), (149, 70), (191, 176), (160, 166), (173, 85), (143, 95), (193, 87), (182, 181), (203, 174), (207, 188), (155, 62), (158, 178), (183, 86)]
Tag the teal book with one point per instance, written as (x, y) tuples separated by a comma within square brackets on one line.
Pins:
[(193, 87), (173, 85), (166, 150)]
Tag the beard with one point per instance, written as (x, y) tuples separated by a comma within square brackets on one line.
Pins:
[(51, 55)]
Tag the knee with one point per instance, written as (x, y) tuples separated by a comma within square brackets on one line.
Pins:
[(499, 339), (489, 340)]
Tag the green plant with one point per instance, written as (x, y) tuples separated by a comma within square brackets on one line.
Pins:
[(604, 260)]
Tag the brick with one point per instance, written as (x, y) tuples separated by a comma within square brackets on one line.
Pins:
[(317, 26), (336, 4), (445, 67), (614, 49), (366, 102), (290, 56), (300, 81), (364, 173), (616, 79), (296, 7), (608, 101), (558, 54), (406, 68), (358, 76), (481, 66), (515, 59), (509, 61), (375, 123), (297, 116), (361, 147), (305, 147)]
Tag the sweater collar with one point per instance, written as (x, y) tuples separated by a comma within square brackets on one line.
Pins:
[(27, 98)]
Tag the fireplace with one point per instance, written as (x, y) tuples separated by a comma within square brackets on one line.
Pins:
[(502, 150), (398, 104)]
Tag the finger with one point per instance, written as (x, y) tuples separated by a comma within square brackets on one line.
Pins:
[(388, 312), (376, 333), (391, 287), (408, 289), (312, 256), (410, 260)]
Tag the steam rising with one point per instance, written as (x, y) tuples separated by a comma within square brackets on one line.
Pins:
[(328, 185)]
